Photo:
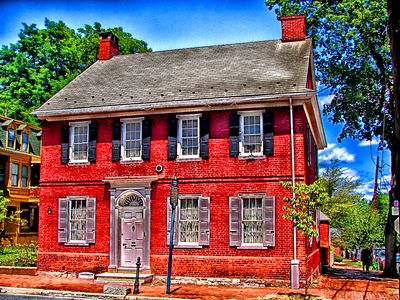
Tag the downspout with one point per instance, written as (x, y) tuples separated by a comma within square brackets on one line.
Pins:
[(294, 264), (293, 173)]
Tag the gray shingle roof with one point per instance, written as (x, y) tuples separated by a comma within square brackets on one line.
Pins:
[(167, 77)]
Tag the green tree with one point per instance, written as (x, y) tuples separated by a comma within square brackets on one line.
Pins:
[(353, 59), (43, 61), (302, 207)]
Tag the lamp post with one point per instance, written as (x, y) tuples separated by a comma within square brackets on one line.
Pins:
[(174, 194)]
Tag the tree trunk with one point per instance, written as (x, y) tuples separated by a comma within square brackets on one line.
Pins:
[(393, 8)]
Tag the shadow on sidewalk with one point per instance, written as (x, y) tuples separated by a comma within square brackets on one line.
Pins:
[(341, 271)]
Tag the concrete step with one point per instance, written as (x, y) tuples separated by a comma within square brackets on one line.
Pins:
[(123, 278)]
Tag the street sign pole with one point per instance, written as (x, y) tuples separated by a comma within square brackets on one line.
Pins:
[(174, 194)]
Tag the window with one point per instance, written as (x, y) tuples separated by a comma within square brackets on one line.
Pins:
[(79, 142), (252, 221), (24, 175), (10, 137), (76, 220), (188, 136), (132, 139), (24, 141), (188, 220), (251, 133), (192, 221), (14, 174)]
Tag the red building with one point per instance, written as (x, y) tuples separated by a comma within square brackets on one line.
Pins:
[(230, 121)]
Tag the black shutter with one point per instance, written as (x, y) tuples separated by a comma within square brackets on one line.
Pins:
[(92, 142), (64, 144), (146, 137), (172, 137), (204, 135), (116, 141), (268, 135), (234, 134)]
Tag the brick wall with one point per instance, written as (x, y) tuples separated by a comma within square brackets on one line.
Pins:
[(218, 177)]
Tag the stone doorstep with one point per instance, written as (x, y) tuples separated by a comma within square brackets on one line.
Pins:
[(123, 278)]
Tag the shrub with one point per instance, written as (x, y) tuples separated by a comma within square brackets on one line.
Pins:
[(19, 255), (338, 258)]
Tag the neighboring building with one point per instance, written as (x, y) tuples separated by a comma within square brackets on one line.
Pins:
[(219, 118), (325, 240), (20, 145)]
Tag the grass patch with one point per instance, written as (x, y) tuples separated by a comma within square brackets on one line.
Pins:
[(19, 256)]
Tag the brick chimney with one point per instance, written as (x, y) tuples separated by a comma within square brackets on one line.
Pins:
[(293, 28), (108, 46)]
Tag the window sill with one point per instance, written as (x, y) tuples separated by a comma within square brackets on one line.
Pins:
[(78, 163), (76, 244), (187, 247), (188, 159), (255, 247), (253, 157), (130, 161)]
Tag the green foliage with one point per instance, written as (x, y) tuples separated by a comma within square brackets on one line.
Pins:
[(352, 58), (44, 60), (19, 256), (337, 258), (301, 208), (357, 221)]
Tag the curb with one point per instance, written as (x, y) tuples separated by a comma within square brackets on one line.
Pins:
[(37, 294)]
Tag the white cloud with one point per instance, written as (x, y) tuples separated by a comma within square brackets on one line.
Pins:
[(368, 143), (325, 100), (350, 173), (332, 152)]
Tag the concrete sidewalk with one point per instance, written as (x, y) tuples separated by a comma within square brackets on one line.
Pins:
[(340, 283)]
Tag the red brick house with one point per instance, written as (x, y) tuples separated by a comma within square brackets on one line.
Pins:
[(230, 121)]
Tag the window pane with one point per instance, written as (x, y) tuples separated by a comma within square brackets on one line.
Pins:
[(80, 142), (77, 220), (24, 175), (11, 137), (25, 139), (252, 221), (132, 139), (190, 137), (14, 174), (188, 220), (251, 137)]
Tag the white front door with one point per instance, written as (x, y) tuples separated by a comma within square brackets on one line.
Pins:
[(132, 235)]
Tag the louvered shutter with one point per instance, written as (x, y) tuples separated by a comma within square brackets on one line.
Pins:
[(269, 221), (204, 219), (92, 142), (204, 135), (169, 214), (146, 137), (234, 134), (268, 134), (172, 137), (64, 144), (235, 207), (116, 141), (62, 220), (91, 220)]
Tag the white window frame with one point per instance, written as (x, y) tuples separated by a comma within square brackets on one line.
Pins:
[(197, 198), (246, 198), (74, 125), (179, 146), (70, 240), (124, 122), (243, 114)]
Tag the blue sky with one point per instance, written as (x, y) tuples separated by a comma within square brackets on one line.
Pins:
[(180, 24)]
